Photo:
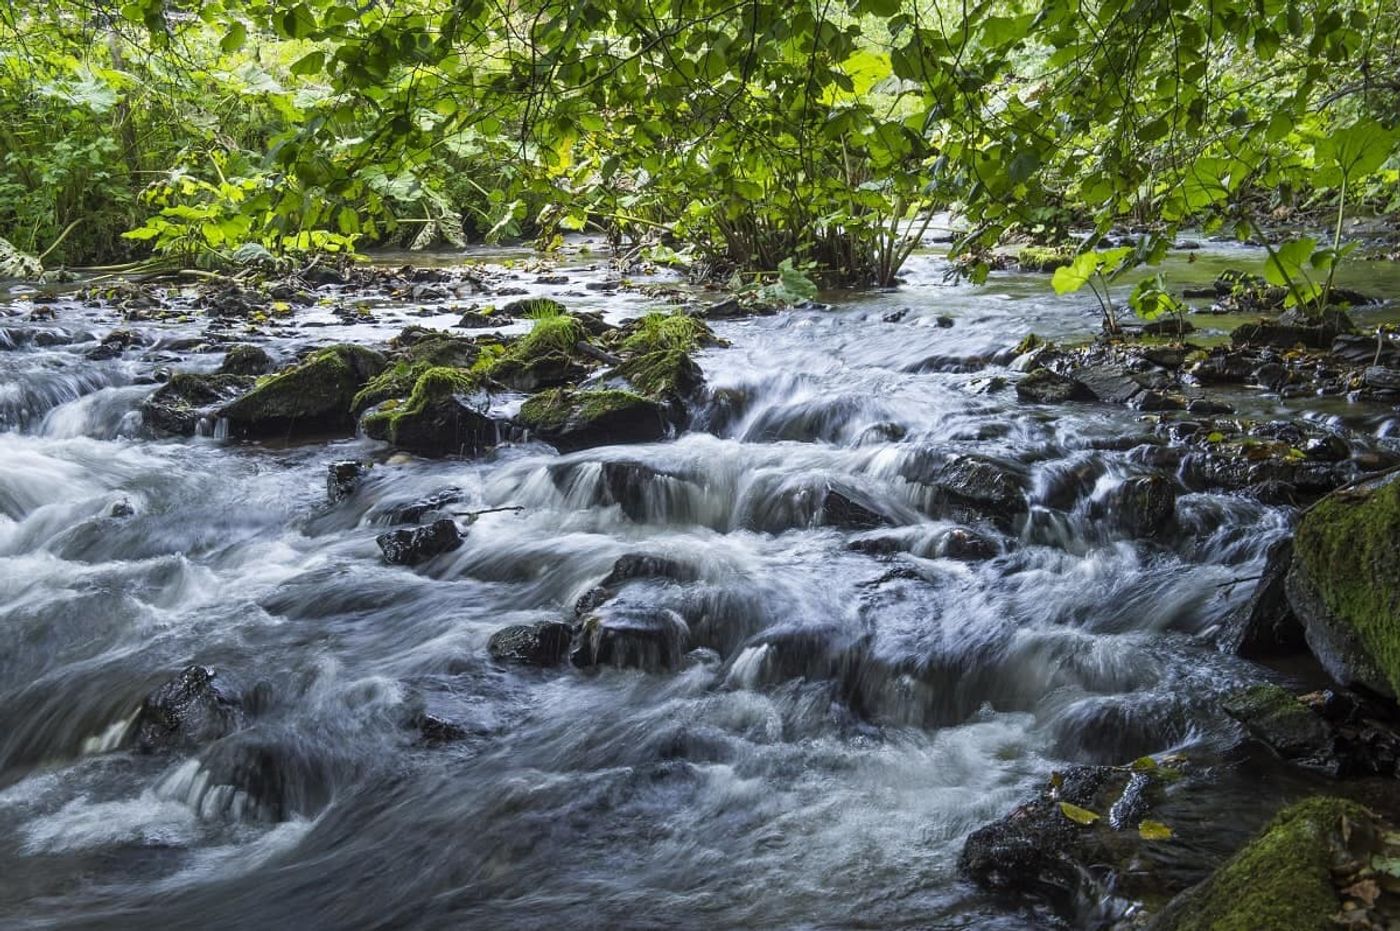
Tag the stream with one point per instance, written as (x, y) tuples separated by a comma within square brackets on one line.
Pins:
[(761, 784)]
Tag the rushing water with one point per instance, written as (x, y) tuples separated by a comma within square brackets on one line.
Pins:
[(737, 791)]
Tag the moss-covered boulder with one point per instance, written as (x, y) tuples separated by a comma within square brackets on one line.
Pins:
[(444, 414), (1282, 879), (245, 359), (1044, 258), (1344, 583), (177, 407), (1276, 718), (572, 420), (310, 397)]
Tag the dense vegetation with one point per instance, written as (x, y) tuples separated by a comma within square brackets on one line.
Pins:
[(738, 135)]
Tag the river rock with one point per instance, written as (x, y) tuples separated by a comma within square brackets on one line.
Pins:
[(847, 508), (1344, 583), (312, 396), (544, 644), (342, 478), (1386, 379), (625, 635), (189, 710), (571, 420), (442, 417), (177, 407), (1113, 384), (1043, 386), (245, 359), (1276, 718), (1142, 507), (970, 485), (411, 546), (967, 545), (1294, 329), (1266, 625)]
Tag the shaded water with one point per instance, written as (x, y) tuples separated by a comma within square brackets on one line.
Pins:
[(762, 784)]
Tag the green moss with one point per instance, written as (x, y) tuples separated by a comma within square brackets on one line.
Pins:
[(556, 407), (394, 382), (1279, 880), (1349, 544), (323, 385), (559, 333), (656, 374), (433, 384), (680, 331), (1044, 258)]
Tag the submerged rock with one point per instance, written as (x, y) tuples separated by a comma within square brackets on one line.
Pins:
[(1276, 718), (342, 478), (1344, 583), (177, 407), (189, 710), (545, 644), (572, 420), (312, 396), (1141, 507), (411, 546)]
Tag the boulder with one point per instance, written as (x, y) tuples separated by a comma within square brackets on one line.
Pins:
[(177, 407), (625, 635), (445, 414), (1344, 583), (970, 485), (544, 644), (1276, 718), (245, 359), (342, 478), (1294, 329), (1281, 879), (1266, 625), (312, 396), (1043, 386), (572, 420), (1141, 507), (847, 508), (189, 710), (967, 545), (1113, 384), (411, 546)]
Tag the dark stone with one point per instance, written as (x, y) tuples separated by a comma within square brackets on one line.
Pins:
[(643, 566), (244, 359), (544, 644), (1266, 626), (1387, 379), (1110, 383), (1223, 369), (1206, 407), (978, 484), (312, 396), (187, 711), (943, 321), (573, 420), (1276, 718), (114, 344), (342, 478), (475, 320), (1043, 386), (1294, 330), (409, 547), (429, 504), (435, 730), (177, 407), (630, 636), (447, 424), (848, 509), (967, 545), (1142, 507)]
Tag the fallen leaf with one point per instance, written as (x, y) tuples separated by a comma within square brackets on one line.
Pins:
[(1366, 890), (1078, 815), (1154, 830), (1057, 779), (1144, 764)]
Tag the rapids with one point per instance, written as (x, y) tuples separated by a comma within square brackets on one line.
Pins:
[(751, 788)]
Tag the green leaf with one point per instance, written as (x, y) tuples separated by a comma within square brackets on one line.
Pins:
[(298, 22), (233, 39), (1286, 263), (1072, 277), (1078, 815), (310, 63)]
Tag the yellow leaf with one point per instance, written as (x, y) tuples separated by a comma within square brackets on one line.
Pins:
[(1154, 830), (1078, 815), (1144, 764)]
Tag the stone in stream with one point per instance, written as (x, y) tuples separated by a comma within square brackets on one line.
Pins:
[(189, 710), (544, 644), (312, 396), (1344, 583), (177, 407), (445, 414), (967, 545), (114, 344), (1141, 507), (970, 485), (1276, 718), (342, 478), (847, 508), (1043, 386), (244, 359), (1295, 329), (1386, 379), (1266, 625), (415, 511), (630, 636), (411, 546), (572, 420)]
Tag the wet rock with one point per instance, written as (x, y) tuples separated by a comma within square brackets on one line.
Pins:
[(475, 320), (444, 415), (245, 359), (114, 344), (733, 307), (1113, 384), (1360, 349), (342, 478), (1344, 583), (1225, 368), (121, 509), (1044, 258), (1386, 379), (539, 370), (544, 644), (967, 484), (1142, 507), (177, 407), (411, 546), (665, 375), (1266, 625), (1043, 386), (1208, 407), (624, 635), (847, 508), (1282, 879), (967, 545), (646, 566), (435, 730), (415, 511), (1294, 329), (572, 420), (312, 396), (189, 710), (1276, 718)]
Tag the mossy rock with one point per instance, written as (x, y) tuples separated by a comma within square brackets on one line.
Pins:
[(581, 419), (176, 407), (1044, 258), (1276, 717), (444, 414), (666, 374), (1282, 879), (1344, 583), (312, 396), (420, 344)]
